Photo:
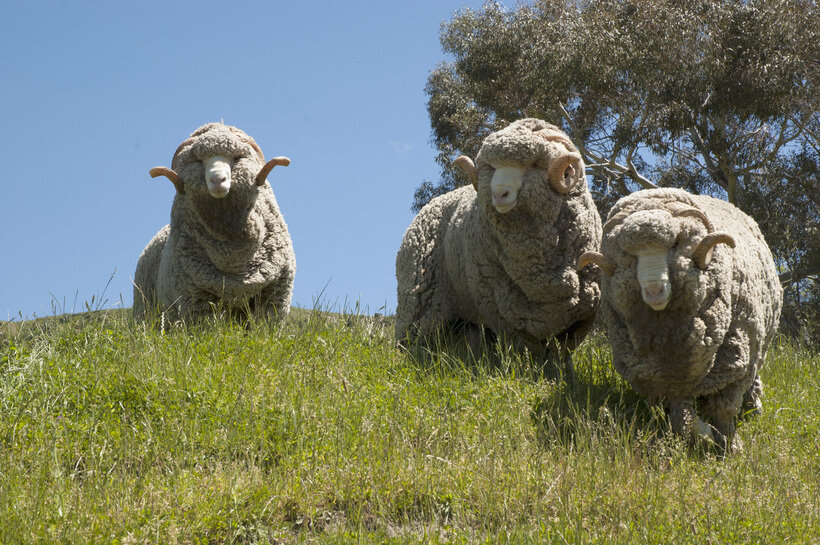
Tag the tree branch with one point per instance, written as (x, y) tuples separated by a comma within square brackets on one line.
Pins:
[(603, 167), (813, 139)]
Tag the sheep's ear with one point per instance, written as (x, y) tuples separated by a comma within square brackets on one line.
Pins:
[(466, 164), (702, 255), (275, 162), (171, 175)]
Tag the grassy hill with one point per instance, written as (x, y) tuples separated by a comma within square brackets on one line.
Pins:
[(321, 431)]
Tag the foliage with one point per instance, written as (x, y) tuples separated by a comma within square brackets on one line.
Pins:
[(321, 431), (715, 96)]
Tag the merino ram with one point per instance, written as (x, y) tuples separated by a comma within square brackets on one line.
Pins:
[(691, 301), (500, 254), (227, 241)]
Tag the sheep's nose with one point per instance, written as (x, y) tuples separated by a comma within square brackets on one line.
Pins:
[(219, 177), (501, 195), (654, 289)]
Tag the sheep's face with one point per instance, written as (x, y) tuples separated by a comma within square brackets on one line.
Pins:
[(505, 183), (218, 175), (217, 160), (655, 253), (225, 175), (653, 277), (526, 157), (648, 235)]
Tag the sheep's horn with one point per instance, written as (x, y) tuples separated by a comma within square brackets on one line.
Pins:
[(241, 135), (557, 174), (256, 148), (171, 175), (703, 251), (694, 213), (179, 148), (599, 259), (615, 221), (555, 137), (275, 162), (466, 164)]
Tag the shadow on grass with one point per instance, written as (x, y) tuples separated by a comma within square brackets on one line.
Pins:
[(464, 347), (600, 406), (572, 409)]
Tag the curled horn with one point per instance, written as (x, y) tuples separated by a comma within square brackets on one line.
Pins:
[(466, 164), (248, 140), (275, 162), (556, 137), (557, 174), (599, 259), (171, 175), (703, 251), (185, 143), (694, 213)]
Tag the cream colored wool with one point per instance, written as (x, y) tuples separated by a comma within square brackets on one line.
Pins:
[(702, 353), (461, 261), (235, 251)]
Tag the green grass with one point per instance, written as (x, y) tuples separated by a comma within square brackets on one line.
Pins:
[(321, 431)]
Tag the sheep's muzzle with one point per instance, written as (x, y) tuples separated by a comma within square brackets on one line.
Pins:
[(653, 277), (218, 176), (505, 184)]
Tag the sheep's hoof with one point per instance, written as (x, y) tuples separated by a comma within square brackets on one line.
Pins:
[(682, 417), (703, 431), (728, 445), (752, 406)]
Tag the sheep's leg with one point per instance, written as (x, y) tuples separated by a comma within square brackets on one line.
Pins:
[(722, 408), (725, 437), (276, 298), (687, 424), (682, 416), (752, 406), (474, 337), (553, 356)]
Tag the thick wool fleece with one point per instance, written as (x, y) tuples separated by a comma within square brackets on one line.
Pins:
[(463, 261), (706, 347), (235, 250)]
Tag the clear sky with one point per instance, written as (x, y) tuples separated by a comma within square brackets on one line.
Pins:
[(94, 94)]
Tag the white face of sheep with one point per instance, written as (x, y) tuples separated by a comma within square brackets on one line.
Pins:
[(653, 277), (218, 175), (505, 184)]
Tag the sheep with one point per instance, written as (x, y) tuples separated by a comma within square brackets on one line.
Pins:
[(691, 301), (498, 256), (227, 242)]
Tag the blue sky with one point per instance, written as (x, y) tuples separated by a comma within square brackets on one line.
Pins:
[(93, 94)]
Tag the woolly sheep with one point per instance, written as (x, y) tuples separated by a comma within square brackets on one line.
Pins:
[(227, 240), (500, 254), (691, 300)]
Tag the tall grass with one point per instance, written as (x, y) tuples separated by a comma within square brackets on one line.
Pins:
[(321, 431)]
